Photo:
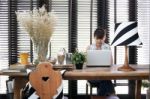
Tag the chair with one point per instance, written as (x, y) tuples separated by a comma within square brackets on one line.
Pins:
[(91, 87), (45, 83), (91, 90)]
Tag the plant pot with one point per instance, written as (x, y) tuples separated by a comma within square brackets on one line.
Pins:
[(148, 94), (79, 66)]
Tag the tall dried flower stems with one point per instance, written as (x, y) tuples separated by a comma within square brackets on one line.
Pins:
[(38, 23), (40, 26)]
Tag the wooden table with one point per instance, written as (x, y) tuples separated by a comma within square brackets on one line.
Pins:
[(97, 73)]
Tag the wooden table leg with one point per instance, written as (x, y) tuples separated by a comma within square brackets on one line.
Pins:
[(19, 82), (138, 89), (72, 89)]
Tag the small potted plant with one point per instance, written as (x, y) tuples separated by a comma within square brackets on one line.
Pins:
[(146, 84), (78, 58)]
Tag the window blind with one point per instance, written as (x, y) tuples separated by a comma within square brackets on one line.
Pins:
[(60, 36), (122, 8), (83, 30), (24, 44), (121, 16), (14, 39), (144, 31), (3, 42), (84, 22)]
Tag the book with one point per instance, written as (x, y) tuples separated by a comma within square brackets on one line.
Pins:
[(19, 66), (10, 70)]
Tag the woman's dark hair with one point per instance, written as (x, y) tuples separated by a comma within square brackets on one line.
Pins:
[(99, 33)]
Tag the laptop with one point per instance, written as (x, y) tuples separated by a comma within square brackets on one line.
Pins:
[(100, 58)]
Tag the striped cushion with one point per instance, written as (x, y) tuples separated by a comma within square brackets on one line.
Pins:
[(30, 93)]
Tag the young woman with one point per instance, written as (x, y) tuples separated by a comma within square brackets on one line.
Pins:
[(104, 87)]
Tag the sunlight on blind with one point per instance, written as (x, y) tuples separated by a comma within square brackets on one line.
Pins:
[(60, 37), (83, 31), (3, 42), (121, 16), (23, 36), (84, 23), (144, 31)]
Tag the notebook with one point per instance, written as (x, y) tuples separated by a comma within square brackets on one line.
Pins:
[(98, 58)]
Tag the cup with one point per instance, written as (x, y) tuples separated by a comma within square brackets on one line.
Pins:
[(68, 58), (52, 60), (24, 58), (60, 59)]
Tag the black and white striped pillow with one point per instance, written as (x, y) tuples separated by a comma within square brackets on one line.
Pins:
[(30, 93), (126, 33)]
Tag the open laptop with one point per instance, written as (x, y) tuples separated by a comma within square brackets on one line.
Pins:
[(98, 58)]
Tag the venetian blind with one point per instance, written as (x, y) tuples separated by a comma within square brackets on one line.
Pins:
[(23, 44), (16, 38), (143, 52), (144, 31), (85, 22), (121, 16), (3, 42), (83, 30), (122, 8), (60, 36)]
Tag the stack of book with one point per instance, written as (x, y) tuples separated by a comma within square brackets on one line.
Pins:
[(18, 67)]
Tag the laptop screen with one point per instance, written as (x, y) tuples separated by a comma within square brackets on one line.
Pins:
[(99, 58)]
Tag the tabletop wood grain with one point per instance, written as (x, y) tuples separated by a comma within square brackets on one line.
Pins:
[(88, 73)]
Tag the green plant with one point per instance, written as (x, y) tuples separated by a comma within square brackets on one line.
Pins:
[(78, 58), (145, 84)]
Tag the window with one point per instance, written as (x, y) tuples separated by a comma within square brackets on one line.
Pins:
[(83, 30), (60, 36), (121, 16), (84, 15), (23, 38), (3, 42), (144, 32)]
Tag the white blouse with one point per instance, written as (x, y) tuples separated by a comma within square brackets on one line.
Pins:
[(103, 47)]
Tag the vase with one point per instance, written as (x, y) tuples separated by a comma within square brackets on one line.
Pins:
[(40, 50), (79, 66)]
